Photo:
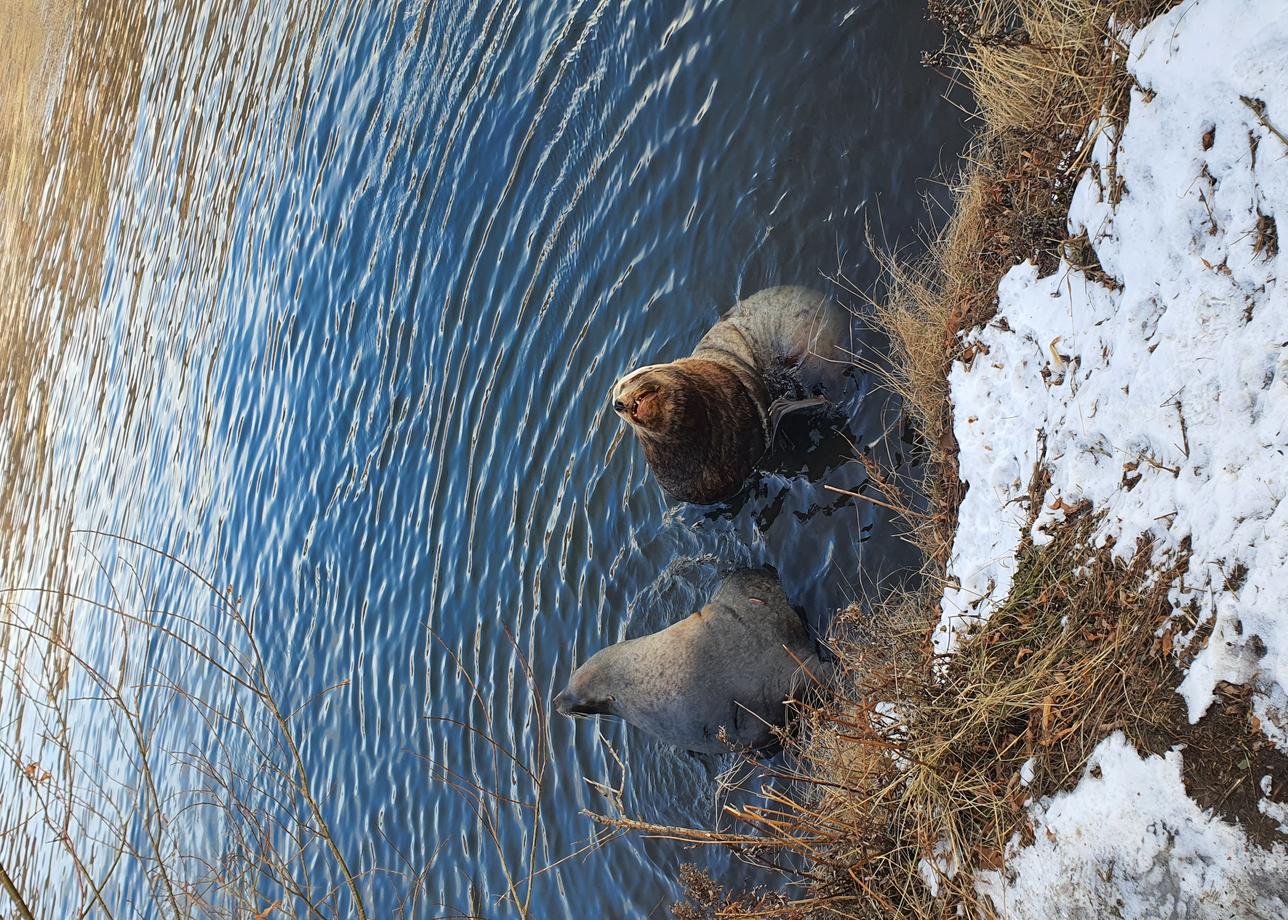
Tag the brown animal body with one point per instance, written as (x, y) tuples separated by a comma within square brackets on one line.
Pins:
[(706, 421)]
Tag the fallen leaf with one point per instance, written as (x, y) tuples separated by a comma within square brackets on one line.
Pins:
[(1057, 359), (989, 858), (1061, 505)]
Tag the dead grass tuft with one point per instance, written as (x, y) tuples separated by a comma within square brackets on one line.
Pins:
[(126, 805)]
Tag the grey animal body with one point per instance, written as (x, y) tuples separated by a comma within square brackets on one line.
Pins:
[(715, 681), (706, 421)]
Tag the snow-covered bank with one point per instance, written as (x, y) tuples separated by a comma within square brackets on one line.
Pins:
[(1128, 843), (1156, 391)]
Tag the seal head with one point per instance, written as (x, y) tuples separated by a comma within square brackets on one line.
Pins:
[(702, 425)]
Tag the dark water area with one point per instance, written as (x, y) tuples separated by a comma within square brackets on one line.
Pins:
[(377, 268)]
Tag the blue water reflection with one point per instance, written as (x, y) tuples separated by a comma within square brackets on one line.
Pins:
[(428, 237)]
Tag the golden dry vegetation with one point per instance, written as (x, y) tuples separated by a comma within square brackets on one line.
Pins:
[(72, 73), (1047, 76)]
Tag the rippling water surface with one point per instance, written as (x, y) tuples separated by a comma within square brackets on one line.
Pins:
[(326, 300)]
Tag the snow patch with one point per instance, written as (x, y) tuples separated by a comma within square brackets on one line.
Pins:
[(1128, 843), (1162, 400)]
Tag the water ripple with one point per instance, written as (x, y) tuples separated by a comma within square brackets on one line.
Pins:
[(327, 300)]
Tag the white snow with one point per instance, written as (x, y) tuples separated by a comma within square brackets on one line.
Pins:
[(1026, 772), (1128, 843), (1163, 401)]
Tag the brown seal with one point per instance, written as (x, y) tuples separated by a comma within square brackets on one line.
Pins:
[(706, 421), (715, 681)]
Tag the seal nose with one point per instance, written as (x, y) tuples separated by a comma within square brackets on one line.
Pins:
[(619, 406), (566, 701)]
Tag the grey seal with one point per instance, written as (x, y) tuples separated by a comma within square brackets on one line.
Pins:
[(706, 421), (716, 681)]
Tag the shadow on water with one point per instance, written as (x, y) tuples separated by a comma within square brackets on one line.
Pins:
[(325, 300)]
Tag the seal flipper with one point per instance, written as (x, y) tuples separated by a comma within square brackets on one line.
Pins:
[(783, 406)]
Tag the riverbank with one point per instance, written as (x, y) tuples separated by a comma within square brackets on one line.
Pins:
[(1083, 714)]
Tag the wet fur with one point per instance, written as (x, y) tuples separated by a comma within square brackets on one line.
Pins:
[(709, 433)]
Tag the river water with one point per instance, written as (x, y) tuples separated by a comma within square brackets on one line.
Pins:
[(326, 300)]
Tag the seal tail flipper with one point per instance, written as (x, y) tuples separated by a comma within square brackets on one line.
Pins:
[(782, 407)]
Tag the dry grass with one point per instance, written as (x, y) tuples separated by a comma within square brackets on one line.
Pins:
[(120, 824), (125, 807)]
